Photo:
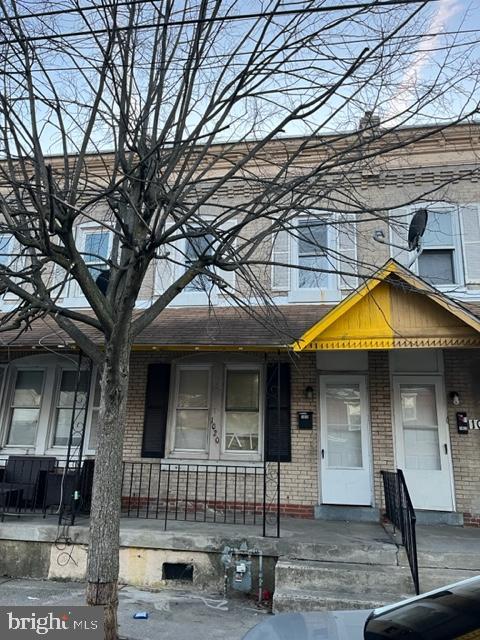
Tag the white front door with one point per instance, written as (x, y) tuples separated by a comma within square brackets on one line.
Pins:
[(345, 469), (422, 442)]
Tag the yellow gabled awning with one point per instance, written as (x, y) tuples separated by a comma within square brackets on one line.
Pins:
[(393, 309)]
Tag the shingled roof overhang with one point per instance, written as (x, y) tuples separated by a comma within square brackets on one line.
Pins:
[(198, 328), (393, 309)]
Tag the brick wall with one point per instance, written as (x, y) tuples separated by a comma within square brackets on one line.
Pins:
[(380, 419), (462, 374)]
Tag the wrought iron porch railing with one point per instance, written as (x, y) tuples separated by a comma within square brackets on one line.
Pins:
[(399, 510), (229, 494)]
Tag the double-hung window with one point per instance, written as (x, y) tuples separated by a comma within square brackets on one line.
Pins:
[(438, 261), (25, 407), (96, 250), (307, 255), (197, 243), (69, 407), (216, 411), (41, 397), (197, 247), (192, 409), (6, 249), (94, 244), (312, 254), (242, 410)]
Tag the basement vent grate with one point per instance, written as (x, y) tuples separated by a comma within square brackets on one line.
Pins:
[(178, 571)]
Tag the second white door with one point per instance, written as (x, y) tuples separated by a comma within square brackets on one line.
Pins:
[(345, 467)]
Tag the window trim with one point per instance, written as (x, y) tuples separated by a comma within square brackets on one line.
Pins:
[(214, 453), (456, 244), (191, 298), (51, 366), (318, 294), (172, 413), (242, 455), (7, 413), (75, 296)]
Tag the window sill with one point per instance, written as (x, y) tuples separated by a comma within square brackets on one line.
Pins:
[(314, 295), (257, 464)]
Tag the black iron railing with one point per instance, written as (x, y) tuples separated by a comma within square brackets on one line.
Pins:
[(216, 493), (399, 510), (229, 494)]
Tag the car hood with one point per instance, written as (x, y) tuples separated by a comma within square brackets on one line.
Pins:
[(315, 625)]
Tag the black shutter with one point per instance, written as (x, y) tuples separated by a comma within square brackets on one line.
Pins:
[(278, 440), (156, 407)]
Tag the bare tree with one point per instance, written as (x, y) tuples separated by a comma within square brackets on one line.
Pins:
[(143, 116)]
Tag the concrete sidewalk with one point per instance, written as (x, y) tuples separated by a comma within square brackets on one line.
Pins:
[(173, 615)]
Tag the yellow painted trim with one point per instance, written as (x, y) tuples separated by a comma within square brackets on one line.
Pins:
[(312, 336), (392, 343)]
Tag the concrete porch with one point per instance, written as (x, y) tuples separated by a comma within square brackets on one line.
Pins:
[(314, 565)]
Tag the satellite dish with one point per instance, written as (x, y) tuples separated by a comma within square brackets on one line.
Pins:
[(417, 229), (102, 281)]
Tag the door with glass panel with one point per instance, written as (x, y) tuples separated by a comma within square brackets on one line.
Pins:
[(422, 442), (345, 460)]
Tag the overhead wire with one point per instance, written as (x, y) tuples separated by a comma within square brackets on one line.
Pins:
[(211, 19)]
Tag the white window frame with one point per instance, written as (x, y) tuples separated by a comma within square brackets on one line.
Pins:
[(52, 367), (243, 455), (456, 245), (51, 447), (318, 294), (75, 296), (172, 412), (214, 452), (191, 298), (42, 427)]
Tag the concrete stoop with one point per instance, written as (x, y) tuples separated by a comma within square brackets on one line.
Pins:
[(306, 585)]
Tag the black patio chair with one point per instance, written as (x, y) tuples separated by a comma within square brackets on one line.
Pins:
[(23, 481), (60, 487)]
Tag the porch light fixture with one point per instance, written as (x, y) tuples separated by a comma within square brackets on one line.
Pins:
[(455, 398), (308, 393)]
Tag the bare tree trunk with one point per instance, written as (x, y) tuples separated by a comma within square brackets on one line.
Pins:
[(103, 552)]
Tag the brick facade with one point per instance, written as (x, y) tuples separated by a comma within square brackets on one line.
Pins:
[(300, 477)]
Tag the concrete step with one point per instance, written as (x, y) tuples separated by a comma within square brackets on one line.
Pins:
[(438, 577), (376, 552), (285, 600), (341, 576), (450, 560)]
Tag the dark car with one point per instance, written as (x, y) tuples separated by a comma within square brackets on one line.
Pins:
[(449, 613)]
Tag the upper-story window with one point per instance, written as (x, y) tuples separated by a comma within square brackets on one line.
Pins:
[(315, 258), (440, 261), (312, 247), (437, 263), (195, 248), (6, 248), (94, 243), (202, 290), (96, 249)]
